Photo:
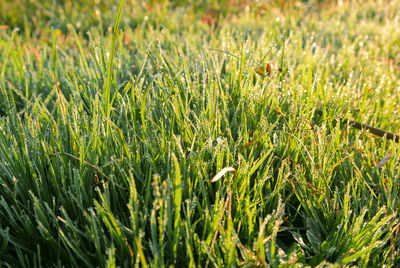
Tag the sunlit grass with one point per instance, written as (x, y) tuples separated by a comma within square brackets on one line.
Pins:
[(109, 139)]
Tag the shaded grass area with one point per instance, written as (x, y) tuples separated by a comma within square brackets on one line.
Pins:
[(109, 138)]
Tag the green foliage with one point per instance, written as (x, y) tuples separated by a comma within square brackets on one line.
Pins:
[(111, 133)]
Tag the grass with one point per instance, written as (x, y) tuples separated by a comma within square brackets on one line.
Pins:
[(113, 124)]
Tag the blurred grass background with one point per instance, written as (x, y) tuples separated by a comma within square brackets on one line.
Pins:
[(29, 15)]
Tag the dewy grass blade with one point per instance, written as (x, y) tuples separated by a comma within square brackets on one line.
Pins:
[(177, 201), (107, 86), (6, 53), (80, 49)]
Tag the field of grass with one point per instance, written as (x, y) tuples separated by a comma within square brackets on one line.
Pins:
[(115, 118)]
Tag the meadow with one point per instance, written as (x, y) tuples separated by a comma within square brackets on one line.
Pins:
[(159, 133)]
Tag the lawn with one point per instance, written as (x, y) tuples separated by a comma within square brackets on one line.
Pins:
[(159, 133)]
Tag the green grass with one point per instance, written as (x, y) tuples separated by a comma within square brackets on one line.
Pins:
[(110, 136)]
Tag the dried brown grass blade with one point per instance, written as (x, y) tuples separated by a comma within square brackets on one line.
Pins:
[(222, 173)]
